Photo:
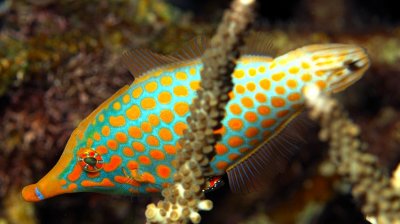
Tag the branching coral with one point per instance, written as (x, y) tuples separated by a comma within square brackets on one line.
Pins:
[(184, 198), (372, 189)]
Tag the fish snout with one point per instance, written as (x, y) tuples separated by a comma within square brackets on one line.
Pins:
[(339, 65)]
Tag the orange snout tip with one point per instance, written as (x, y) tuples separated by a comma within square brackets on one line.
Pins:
[(31, 193)]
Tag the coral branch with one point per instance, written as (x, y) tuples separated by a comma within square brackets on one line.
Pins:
[(184, 198), (370, 186)]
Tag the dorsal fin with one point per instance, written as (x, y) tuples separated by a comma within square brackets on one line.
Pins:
[(260, 44), (140, 61), (270, 158), (192, 49)]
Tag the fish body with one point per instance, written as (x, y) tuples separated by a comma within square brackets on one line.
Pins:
[(129, 143)]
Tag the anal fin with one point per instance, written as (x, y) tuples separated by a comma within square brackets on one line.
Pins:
[(270, 158)]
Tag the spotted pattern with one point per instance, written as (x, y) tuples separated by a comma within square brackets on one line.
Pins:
[(137, 132)]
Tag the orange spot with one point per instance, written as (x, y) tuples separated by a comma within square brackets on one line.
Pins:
[(144, 160), (235, 109), (164, 97), (104, 183), (148, 103), (267, 123), (278, 102), (170, 149), (137, 92), (179, 127), (112, 144), (251, 86), (247, 102), (181, 108), (96, 136), (254, 142), (114, 163), (166, 81), (192, 71), (235, 141), (297, 106), (260, 97), (165, 134), (306, 77), (195, 85), (222, 165), (138, 146), (244, 150), (117, 121), (235, 124), (240, 89), (134, 132), (146, 127), (152, 140), (126, 180), (153, 119), (157, 154), (291, 83), (238, 74), (121, 137), (126, 99), (294, 96), (105, 131), (152, 190), (132, 165), (167, 116), (221, 130), (305, 65), (163, 171), (280, 90), (220, 149), (150, 87), (233, 157), (180, 91), (93, 175), (272, 65), (261, 69), (263, 110), (148, 177), (128, 152), (251, 132), (133, 112), (294, 70), (250, 116), (181, 75), (101, 149), (321, 84), (282, 113), (117, 106), (320, 73), (89, 142), (278, 76), (101, 117), (75, 173), (265, 84), (252, 72)]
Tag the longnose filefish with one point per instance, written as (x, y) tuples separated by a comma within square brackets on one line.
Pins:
[(128, 144)]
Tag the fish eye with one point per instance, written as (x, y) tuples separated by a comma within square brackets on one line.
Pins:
[(352, 65), (90, 160)]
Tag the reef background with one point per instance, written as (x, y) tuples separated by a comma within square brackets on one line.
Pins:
[(58, 55)]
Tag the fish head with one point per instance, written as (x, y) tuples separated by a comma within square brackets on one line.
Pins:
[(333, 67), (83, 169)]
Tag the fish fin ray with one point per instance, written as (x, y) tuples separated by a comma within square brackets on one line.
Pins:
[(270, 158), (192, 49), (259, 44), (139, 61)]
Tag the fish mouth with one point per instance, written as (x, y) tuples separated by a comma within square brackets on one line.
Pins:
[(32, 193), (356, 65)]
